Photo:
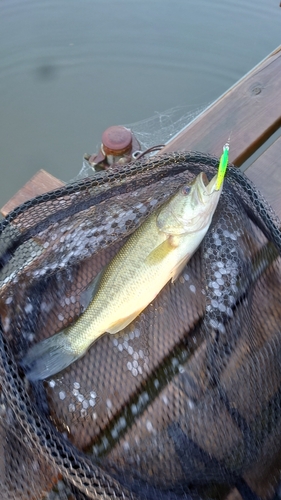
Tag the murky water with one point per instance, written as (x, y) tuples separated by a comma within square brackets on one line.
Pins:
[(69, 69)]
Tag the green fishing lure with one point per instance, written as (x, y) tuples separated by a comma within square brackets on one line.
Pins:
[(222, 166)]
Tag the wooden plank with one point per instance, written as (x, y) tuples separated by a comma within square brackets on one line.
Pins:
[(265, 172), (40, 183), (249, 112)]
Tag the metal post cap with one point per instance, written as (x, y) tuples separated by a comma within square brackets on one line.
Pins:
[(116, 140)]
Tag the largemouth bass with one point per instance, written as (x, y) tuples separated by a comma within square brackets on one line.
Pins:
[(154, 254)]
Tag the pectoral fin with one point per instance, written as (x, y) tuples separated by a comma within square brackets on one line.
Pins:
[(88, 294), (123, 322), (162, 250), (180, 267)]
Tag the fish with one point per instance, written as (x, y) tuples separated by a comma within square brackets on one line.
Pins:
[(155, 253)]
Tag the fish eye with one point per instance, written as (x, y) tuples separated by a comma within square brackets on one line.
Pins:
[(186, 189)]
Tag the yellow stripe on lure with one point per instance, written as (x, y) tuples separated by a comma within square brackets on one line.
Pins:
[(223, 165)]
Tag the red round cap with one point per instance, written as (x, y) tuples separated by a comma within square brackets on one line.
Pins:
[(116, 140)]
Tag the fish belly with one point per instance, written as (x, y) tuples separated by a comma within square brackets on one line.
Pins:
[(142, 283)]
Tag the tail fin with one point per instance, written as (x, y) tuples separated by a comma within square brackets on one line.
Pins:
[(49, 357)]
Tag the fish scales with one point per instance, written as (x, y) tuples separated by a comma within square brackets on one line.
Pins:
[(122, 294)]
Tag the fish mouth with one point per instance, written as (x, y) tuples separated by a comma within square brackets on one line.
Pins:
[(209, 187)]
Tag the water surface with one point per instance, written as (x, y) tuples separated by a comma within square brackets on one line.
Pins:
[(69, 69)]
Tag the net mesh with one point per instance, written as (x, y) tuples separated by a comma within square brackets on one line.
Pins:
[(185, 402)]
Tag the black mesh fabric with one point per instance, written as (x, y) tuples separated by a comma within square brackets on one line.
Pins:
[(185, 402)]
